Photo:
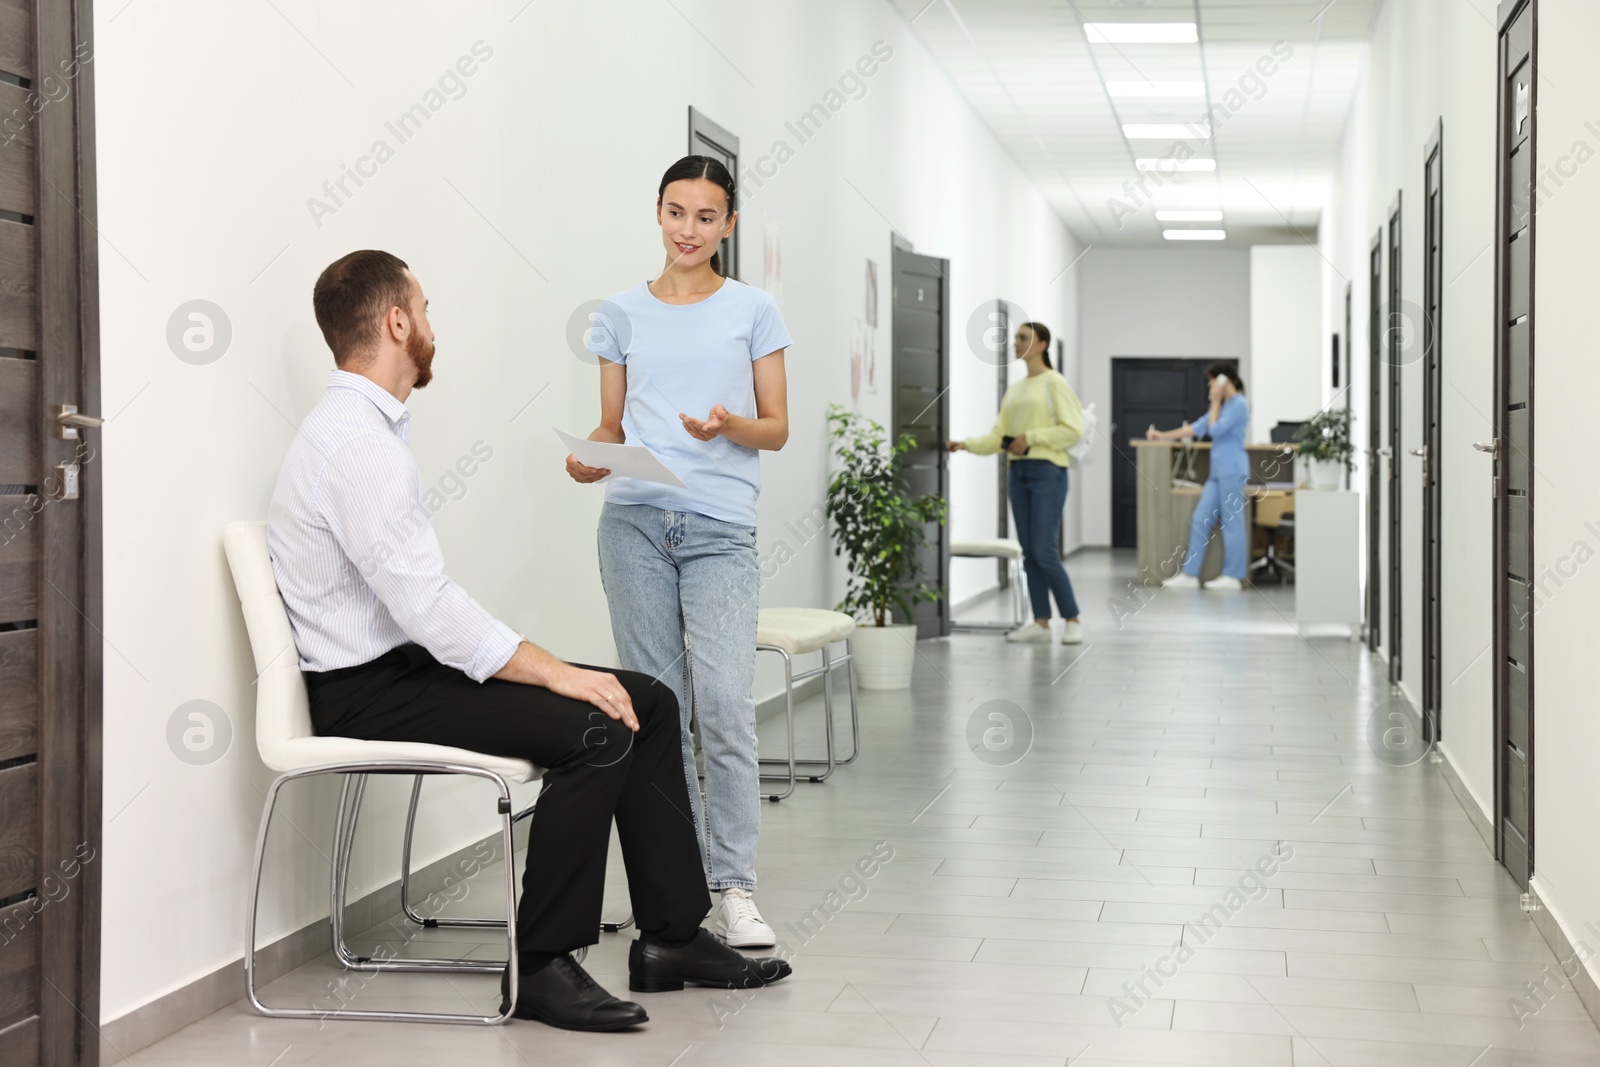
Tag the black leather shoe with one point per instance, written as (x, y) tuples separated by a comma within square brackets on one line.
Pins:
[(562, 994), (703, 961)]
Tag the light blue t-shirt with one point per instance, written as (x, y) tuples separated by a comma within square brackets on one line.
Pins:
[(1228, 456), (688, 358)]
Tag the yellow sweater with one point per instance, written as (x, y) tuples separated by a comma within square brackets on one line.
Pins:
[(1027, 409)]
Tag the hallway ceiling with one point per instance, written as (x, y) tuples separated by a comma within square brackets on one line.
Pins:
[(1031, 72)]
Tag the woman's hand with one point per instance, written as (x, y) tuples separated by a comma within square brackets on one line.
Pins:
[(956, 446), (711, 426), (583, 474), (1019, 445)]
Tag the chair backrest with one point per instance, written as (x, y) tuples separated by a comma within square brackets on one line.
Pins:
[(283, 713)]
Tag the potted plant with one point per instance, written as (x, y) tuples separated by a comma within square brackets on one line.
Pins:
[(1326, 447), (878, 528)]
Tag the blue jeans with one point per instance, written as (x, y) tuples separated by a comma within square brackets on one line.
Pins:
[(683, 591), (1221, 499), (1038, 490)]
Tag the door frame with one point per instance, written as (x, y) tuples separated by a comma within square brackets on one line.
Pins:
[(703, 135), (1002, 319), (67, 762), (1375, 448), (1396, 423), (1521, 866), (1432, 450), (1123, 457), (939, 571)]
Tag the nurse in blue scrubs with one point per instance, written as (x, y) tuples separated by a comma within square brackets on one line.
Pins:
[(1222, 500)]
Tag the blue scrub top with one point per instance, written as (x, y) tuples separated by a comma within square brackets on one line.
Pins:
[(1228, 457)]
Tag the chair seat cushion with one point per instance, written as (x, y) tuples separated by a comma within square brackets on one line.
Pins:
[(842, 624), (794, 634), (303, 753), (992, 547)]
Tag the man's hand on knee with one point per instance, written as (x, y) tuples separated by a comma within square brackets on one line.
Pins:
[(532, 665)]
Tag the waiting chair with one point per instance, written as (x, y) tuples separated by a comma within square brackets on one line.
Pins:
[(794, 632), (1274, 514), (288, 745), (1004, 548)]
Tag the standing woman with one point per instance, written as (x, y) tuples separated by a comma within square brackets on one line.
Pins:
[(692, 369), (1040, 418), (1222, 499)]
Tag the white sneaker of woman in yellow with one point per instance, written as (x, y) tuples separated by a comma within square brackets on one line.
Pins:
[(1029, 633), (739, 924)]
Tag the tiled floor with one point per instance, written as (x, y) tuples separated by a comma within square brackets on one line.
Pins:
[(1040, 868)]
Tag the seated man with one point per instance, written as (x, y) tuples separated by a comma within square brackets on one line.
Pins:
[(393, 650)]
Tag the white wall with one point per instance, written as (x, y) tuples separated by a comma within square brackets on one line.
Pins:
[(1185, 303), (1566, 675), (1430, 58), (528, 195), (1287, 364)]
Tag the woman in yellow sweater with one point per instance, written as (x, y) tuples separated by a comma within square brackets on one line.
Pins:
[(1040, 418)]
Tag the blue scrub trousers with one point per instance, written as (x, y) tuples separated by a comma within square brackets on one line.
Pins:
[(1221, 499)]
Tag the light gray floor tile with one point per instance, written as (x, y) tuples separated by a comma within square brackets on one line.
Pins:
[(1028, 902)]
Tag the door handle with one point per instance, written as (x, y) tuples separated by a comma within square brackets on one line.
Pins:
[(1423, 451), (1385, 452), (1491, 446), (69, 421)]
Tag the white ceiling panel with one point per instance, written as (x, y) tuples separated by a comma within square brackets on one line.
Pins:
[(1278, 75)]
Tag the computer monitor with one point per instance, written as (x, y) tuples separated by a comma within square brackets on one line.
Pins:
[(1285, 432)]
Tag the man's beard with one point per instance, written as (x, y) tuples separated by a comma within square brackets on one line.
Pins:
[(421, 353)]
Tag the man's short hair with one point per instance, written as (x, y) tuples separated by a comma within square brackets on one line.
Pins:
[(352, 296)]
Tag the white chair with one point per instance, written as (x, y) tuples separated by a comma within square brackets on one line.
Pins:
[(288, 745), (797, 631), (1008, 549)]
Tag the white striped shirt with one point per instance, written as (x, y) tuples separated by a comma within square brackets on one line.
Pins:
[(354, 549)]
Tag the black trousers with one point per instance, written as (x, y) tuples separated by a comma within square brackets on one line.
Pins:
[(596, 768)]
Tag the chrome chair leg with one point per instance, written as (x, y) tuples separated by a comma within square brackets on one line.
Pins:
[(406, 908), (849, 663), (788, 704), (827, 713), (349, 798)]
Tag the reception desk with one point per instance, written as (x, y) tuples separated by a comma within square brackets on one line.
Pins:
[(1171, 474)]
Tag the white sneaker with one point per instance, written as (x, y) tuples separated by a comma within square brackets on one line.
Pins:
[(1226, 584), (1072, 633), (1181, 581), (739, 924), (1029, 633)]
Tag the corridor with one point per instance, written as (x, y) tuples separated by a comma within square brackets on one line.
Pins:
[(1035, 881)]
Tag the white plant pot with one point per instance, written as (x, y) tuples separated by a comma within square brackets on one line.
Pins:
[(1324, 474), (884, 655)]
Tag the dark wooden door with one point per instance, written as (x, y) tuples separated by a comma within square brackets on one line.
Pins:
[(49, 544), (921, 407), (1432, 412), (1512, 446), (1394, 352), (1144, 393), (706, 138), (1376, 450)]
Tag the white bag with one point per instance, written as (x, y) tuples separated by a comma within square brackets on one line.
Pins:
[(1080, 451)]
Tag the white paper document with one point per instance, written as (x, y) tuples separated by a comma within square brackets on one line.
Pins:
[(628, 461)]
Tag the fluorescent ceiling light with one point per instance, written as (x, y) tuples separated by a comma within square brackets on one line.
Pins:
[(1166, 131), (1188, 216), (1169, 166), (1141, 32), (1194, 235), (1142, 88)]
